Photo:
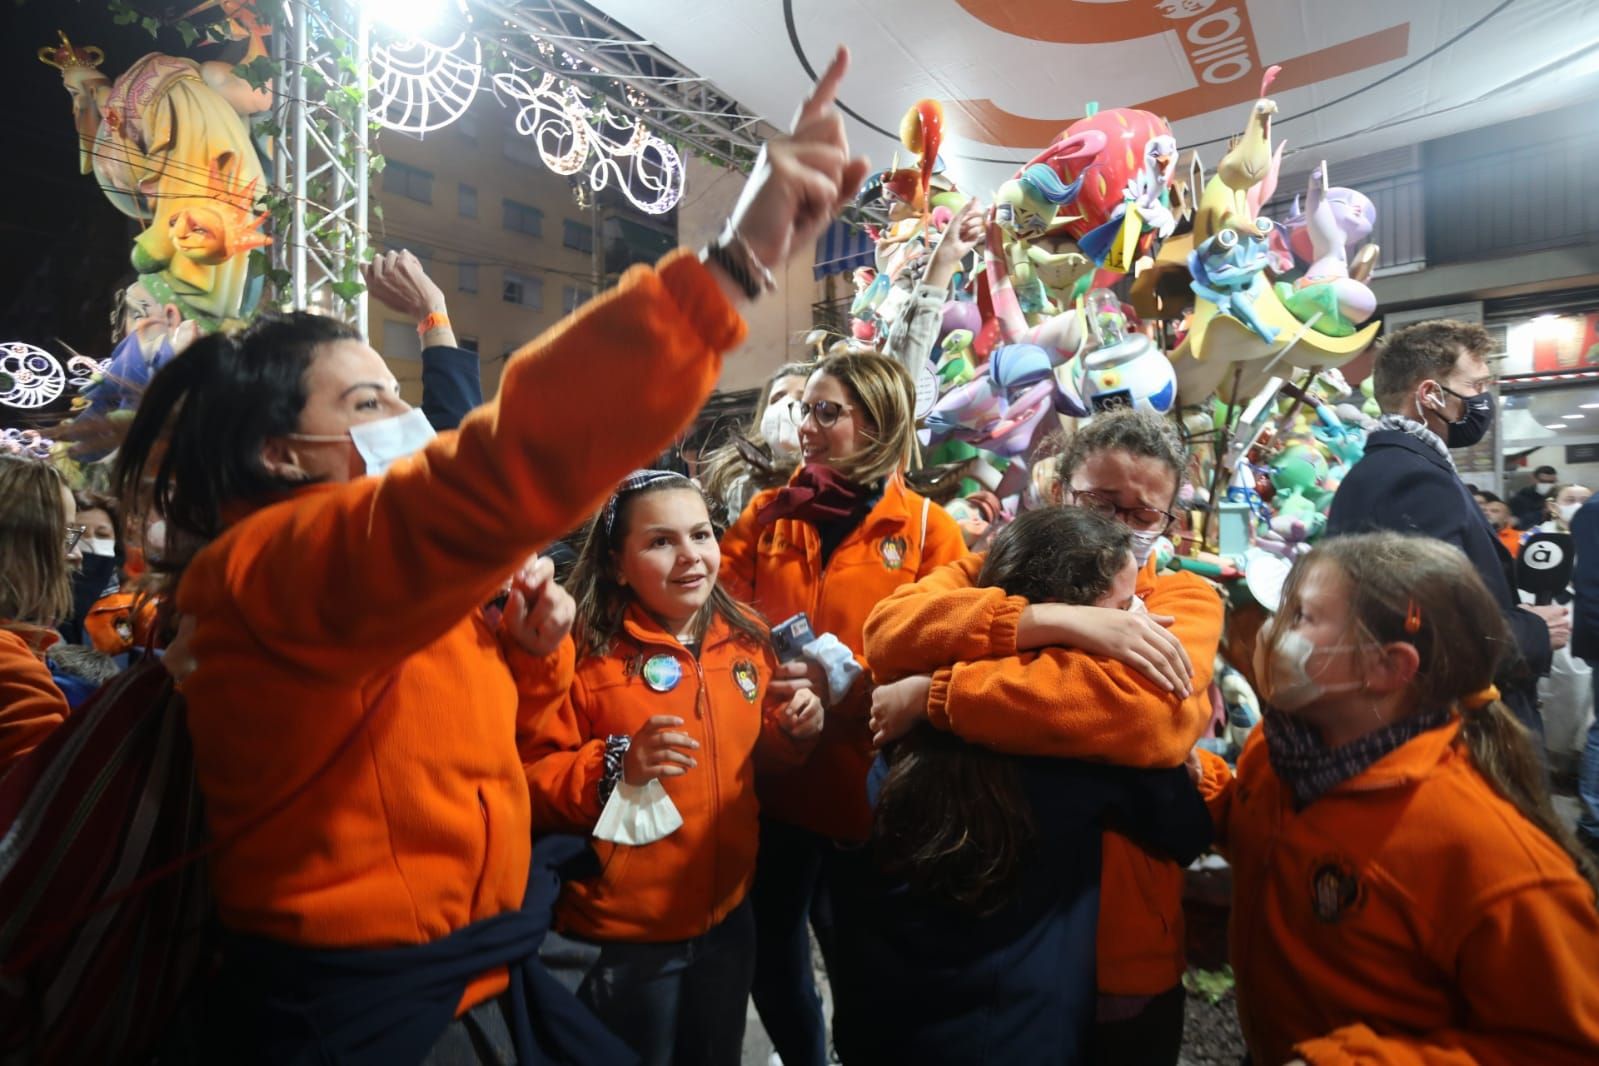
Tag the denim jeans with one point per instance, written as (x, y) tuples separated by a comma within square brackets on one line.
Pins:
[(680, 1003), (790, 893), (1588, 774)]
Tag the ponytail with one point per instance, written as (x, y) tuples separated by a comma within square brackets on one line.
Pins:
[(1502, 751)]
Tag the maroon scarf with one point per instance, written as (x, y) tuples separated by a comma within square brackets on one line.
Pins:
[(819, 495)]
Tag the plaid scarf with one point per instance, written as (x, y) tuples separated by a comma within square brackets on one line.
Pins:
[(1420, 431), (1310, 769)]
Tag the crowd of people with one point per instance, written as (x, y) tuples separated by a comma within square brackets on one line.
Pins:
[(789, 707)]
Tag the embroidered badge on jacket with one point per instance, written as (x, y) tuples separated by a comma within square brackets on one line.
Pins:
[(1334, 889), (747, 679), (893, 550)]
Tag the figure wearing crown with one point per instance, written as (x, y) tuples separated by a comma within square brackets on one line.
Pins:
[(167, 134)]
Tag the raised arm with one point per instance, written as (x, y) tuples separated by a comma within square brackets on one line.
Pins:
[(1071, 704), (396, 561), (940, 620)]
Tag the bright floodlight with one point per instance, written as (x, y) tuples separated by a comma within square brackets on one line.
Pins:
[(414, 18)]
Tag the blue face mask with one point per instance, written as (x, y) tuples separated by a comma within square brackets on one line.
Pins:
[(384, 442)]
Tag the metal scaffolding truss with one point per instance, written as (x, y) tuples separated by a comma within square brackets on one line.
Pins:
[(320, 159), (676, 102)]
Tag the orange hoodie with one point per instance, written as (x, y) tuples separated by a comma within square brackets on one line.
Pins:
[(1065, 703), (31, 705), (779, 570), (1410, 916), (684, 884), (344, 598)]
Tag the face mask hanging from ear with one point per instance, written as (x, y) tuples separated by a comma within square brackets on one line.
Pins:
[(779, 431), (383, 442)]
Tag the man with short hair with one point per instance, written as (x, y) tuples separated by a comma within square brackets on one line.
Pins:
[(1497, 512), (1432, 382), (1529, 504)]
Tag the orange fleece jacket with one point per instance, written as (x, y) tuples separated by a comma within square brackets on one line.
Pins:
[(1411, 916), (684, 884), (1068, 704), (779, 570), (31, 705), (313, 609)]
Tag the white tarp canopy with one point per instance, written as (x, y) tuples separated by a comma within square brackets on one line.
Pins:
[(1358, 76)]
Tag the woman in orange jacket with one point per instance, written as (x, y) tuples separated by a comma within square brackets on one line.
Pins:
[(656, 741), (1107, 686), (37, 535), (1403, 890), (352, 716), (843, 534)]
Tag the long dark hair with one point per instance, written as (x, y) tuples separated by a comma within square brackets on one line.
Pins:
[(602, 601), (195, 443), (1461, 640), (952, 819)]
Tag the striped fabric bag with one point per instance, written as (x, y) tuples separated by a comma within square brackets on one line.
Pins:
[(105, 918)]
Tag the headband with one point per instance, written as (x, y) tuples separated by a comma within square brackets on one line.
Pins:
[(638, 479)]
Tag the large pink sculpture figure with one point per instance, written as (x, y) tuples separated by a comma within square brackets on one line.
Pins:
[(1334, 221)]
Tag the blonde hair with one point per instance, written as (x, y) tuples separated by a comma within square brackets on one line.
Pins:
[(1425, 593), (35, 586), (885, 400)]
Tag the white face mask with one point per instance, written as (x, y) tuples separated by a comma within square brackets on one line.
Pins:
[(1137, 607), (1567, 510), (1288, 684), (1545, 487), (106, 546), (778, 430), (1144, 545), (384, 442)]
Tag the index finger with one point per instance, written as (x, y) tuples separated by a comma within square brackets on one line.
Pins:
[(663, 721), (826, 89)]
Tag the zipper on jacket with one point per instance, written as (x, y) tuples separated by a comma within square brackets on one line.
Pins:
[(701, 709)]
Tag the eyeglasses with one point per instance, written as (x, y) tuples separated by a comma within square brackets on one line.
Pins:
[(1142, 519), (75, 534), (826, 412)]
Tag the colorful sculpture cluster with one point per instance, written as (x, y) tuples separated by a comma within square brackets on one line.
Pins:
[(1225, 304)]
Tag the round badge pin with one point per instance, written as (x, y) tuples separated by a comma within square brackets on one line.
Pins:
[(662, 673)]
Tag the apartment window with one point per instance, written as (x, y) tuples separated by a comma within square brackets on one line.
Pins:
[(468, 201), (523, 290), (573, 297), (414, 183), (468, 277), (577, 235), (400, 341), (467, 344), (521, 218)]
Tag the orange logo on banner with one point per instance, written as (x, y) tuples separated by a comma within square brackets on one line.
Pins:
[(1216, 37)]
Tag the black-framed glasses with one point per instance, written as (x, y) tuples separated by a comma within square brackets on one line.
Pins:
[(75, 534), (1142, 519), (826, 412)]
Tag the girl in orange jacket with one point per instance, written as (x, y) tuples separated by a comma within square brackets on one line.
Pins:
[(656, 740), (843, 534), (1107, 686), (352, 715), (1403, 891), (37, 533)]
